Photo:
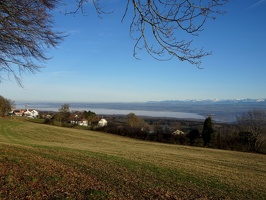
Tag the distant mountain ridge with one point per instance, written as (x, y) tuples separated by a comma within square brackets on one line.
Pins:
[(224, 110), (247, 100)]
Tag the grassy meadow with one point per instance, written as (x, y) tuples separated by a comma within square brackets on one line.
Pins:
[(46, 162)]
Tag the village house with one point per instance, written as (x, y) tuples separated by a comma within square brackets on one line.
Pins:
[(178, 132), (82, 122), (18, 112), (27, 113), (31, 113), (102, 123)]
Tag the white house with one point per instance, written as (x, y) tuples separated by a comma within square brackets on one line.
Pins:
[(102, 123), (83, 123), (178, 132), (31, 113), (18, 113)]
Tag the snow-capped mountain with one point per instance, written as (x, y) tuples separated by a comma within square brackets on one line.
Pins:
[(248, 100)]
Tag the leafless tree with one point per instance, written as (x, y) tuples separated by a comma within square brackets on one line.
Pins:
[(27, 29), (5, 106), (166, 21), (253, 123), (26, 33)]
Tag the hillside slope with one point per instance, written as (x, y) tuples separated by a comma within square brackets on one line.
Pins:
[(47, 162)]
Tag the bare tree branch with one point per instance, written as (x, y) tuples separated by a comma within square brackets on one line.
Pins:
[(254, 123), (165, 19), (80, 7), (26, 33), (158, 26)]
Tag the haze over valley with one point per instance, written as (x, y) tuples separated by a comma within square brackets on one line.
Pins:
[(219, 110)]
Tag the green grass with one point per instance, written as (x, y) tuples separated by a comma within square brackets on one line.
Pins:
[(48, 162)]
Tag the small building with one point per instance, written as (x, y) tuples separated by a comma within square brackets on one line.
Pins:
[(19, 113), (27, 113), (178, 132), (102, 123), (80, 122), (83, 123), (31, 113)]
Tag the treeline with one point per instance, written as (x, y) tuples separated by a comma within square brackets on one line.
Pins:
[(247, 134)]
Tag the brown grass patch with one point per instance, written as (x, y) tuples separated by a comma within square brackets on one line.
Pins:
[(40, 161)]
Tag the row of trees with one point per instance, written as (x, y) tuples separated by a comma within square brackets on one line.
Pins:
[(248, 134)]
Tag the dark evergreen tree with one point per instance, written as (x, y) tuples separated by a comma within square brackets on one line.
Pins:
[(207, 131)]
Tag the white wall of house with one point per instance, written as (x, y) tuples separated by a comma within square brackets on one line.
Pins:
[(31, 113), (80, 123), (178, 132), (83, 123), (102, 123), (27, 113)]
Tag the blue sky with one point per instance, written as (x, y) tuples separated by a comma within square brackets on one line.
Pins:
[(95, 62)]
